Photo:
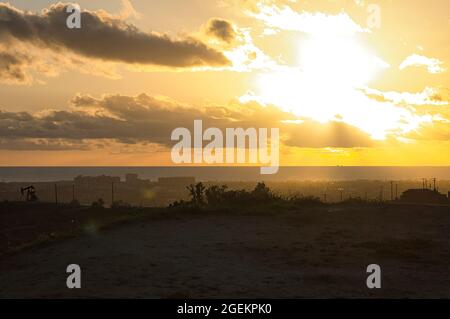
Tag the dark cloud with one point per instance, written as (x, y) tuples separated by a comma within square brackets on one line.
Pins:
[(105, 37), (221, 29), (144, 119), (17, 144), (13, 67), (140, 118)]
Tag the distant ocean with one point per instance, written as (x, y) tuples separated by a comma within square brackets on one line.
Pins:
[(287, 173)]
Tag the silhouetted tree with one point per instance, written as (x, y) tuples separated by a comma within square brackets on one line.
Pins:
[(216, 194), (262, 193), (197, 194)]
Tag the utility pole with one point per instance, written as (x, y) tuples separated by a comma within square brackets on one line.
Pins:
[(56, 194), (112, 193), (396, 191), (392, 190), (434, 184), (341, 190)]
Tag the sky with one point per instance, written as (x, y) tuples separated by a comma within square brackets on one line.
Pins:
[(347, 82)]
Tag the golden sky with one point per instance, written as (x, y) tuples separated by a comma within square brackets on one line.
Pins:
[(347, 82)]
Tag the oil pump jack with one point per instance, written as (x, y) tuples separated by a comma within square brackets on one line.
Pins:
[(31, 193)]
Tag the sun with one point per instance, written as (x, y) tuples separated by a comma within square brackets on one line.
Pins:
[(329, 70), (326, 83), (338, 61)]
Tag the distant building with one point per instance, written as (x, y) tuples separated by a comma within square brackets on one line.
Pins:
[(102, 180), (131, 178), (176, 181), (423, 196)]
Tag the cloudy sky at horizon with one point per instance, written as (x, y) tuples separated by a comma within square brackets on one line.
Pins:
[(342, 90)]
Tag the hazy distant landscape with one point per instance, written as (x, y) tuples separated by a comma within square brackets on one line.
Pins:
[(230, 173), (158, 187)]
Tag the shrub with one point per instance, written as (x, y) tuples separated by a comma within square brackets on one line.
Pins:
[(99, 203), (120, 204), (305, 200), (215, 195)]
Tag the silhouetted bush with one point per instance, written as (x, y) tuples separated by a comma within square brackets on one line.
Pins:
[(215, 195), (305, 200), (358, 201), (99, 203), (262, 193), (120, 204)]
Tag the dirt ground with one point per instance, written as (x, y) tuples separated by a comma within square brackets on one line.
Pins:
[(312, 252)]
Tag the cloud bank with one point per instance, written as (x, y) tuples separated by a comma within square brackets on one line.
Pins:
[(144, 119), (103, 37)]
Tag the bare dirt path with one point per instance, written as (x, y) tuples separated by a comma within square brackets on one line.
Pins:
[(294, 254)]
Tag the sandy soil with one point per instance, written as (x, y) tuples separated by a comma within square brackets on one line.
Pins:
[(314, 252)]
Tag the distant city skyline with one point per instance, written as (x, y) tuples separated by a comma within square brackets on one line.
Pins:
[(286, 173)]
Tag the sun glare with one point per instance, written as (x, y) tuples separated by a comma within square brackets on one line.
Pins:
[(338, 61), (326, 84)]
